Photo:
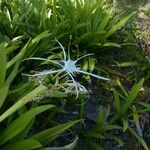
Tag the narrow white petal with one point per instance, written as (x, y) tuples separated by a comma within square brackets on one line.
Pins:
[(44, 59), (93, 75), (41, 73), (65, 57), (83, 57)]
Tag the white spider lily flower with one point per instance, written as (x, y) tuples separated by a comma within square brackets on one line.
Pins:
[(67, 66)]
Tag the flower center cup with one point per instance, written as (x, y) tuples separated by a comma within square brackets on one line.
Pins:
[(70, 66)]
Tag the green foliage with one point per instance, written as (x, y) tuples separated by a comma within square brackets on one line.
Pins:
[(70, 146), (126, 106), (20, 123), (23, 144), (48, 135), (101, 128), (15, 133), (28, 29), (87, 21)]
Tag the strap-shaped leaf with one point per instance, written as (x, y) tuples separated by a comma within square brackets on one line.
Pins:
[(136, 121), (111, 44), (3, 94), (23, 145), (19, 56), (118, 25), (48, 135), (3, 63), (132, 95), (139, 138), (41, 36), (125, 125), (105, 20), (117, 101), (34, 94), (20, 123)]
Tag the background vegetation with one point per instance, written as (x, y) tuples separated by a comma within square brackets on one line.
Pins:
[(43, 112)]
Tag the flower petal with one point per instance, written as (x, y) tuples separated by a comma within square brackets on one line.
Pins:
[(93, 75), (43, 59), (42, 73), (83, 57), (65, 57)]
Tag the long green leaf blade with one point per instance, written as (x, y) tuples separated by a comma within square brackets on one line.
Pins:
[(3, 63), (20, 123), (3, 94), (30, 96), (117, 101), (48, 135), (26, 144), (139, 138), (117, 26), (132, 95)]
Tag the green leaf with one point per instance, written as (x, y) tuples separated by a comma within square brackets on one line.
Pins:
[(20, 123), (22, 89), (101, 117), (85, 37), (125, 125), (24, 132), (139, 138), (93, 134), (13, 73), (70, 146), (108, 127), (105, 20), (128, 64), (3, 94), (34, 94), (26, 144), (145, 105), (136, 120), (122, 88), (92, 62), (132, 95), (117, 101), (18, 57), (111, 44), (11, 49), (48, 135), (3, 63), (41, 36), (118, 25), (95, 44), (118, 140)]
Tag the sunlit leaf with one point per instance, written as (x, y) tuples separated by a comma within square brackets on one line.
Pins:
[(34, 94), (118, 25), (48, 135), (26, 144), (131, 97), (20, 123), (3, 94), (3, 63)]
